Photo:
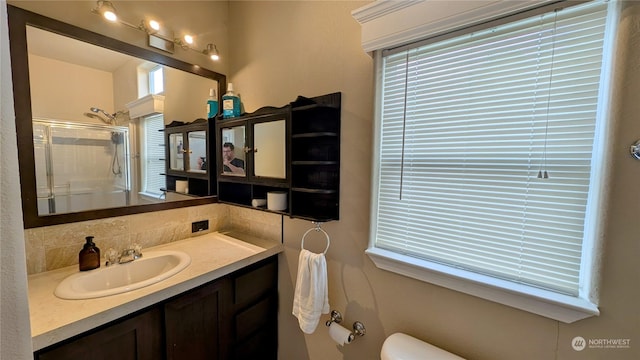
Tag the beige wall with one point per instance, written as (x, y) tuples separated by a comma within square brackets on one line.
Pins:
[(310, 48), (83, 84)]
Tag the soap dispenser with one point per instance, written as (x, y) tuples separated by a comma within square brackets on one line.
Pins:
[(89, 257)]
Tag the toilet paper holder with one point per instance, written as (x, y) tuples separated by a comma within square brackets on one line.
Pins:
[(358, 327)]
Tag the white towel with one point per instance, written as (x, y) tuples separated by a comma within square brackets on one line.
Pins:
[(311, 298)]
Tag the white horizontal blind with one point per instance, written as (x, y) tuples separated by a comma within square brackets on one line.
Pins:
[(153, 155), (463, 138)]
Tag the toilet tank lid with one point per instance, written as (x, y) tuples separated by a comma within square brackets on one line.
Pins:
[(401, 346)]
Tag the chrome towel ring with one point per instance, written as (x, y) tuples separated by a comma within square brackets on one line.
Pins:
[(317, 228)]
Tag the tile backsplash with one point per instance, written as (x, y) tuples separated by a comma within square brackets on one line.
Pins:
[(57, 246)]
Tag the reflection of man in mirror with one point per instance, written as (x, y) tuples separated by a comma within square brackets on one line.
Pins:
[(202, 163), (231, 164)]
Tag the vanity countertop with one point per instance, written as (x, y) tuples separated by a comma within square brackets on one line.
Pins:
[(213, 255)]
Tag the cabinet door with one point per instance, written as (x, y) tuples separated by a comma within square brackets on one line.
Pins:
[(197, 151), (256, 330), (137, 338), (269, 149), (176, 152), (255, 315), (233, 157), (194, 324)]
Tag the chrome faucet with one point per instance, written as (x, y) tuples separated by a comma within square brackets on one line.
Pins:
[(126, 256)]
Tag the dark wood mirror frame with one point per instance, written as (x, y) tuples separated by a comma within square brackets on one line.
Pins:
[(18, 21)]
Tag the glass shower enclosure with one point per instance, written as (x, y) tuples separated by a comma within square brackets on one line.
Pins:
[(80, 166)]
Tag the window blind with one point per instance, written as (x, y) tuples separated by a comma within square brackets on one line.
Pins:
[(153, 155), (466, 125)]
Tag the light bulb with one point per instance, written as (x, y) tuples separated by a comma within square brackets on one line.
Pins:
[(154, 25), (188, 39), (107, 10), (110, 16), (212, 51)]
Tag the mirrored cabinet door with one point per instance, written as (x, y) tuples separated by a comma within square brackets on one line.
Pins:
[(197, 151), (176, 152), (269, 149), (190, 146), (233, 151)]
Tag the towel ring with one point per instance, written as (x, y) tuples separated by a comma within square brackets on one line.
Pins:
[(317, 228)]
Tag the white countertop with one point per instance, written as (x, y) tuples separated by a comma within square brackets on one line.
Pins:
[(213, 255)]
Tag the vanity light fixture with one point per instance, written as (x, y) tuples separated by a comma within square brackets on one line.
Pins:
[(159, 38), (106, 9), (212, 52)]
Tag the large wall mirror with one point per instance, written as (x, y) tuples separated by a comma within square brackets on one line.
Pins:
[(88, 111)]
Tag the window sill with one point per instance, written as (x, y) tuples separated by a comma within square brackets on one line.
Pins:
[(546, 303)]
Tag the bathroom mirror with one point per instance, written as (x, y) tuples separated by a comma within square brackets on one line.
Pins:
[(40, 89)]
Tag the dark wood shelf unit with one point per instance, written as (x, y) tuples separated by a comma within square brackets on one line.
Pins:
[(199, 183), (315, 157)]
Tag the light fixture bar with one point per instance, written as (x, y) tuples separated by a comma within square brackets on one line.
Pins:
[(159, 37)]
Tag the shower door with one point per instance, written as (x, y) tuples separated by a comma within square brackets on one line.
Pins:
[(80, 166)]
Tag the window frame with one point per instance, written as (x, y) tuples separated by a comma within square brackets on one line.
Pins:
[(565, 308)]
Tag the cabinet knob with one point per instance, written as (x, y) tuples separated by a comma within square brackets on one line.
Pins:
[(247, 150)]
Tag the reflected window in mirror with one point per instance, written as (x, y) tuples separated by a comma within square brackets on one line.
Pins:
[(152, 156), (156, 80), (233, 155)]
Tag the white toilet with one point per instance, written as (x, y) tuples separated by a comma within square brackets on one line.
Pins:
[(400, 346)]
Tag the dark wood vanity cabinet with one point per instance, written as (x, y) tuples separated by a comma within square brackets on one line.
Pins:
[(254, 312), (234, 317), (137, 337), (312, 143), (194, 323), (188, 157)]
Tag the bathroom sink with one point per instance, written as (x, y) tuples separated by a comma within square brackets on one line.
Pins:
[(153, 267)]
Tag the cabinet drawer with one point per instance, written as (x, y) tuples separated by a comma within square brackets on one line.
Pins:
[(256, 282), (262, 314)]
